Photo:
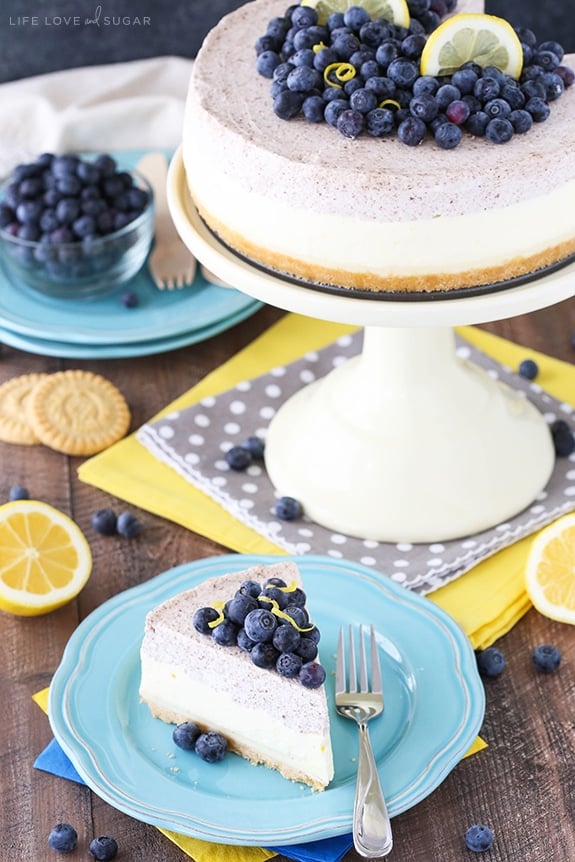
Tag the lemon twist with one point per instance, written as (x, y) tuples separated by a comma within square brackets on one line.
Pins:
[(342, 71)]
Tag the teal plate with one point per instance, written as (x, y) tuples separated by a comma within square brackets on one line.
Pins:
[(434, 709), (71, 350), (159, 314)]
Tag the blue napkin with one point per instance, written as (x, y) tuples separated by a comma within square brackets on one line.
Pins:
[(55, 761)]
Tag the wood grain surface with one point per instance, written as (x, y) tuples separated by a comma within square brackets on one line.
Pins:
[(522, 785)]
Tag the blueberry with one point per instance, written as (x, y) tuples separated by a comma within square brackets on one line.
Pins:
[(67, 211), (411, 131), (490, 662), (185, 735), (240, 606), (538, 108), (303, 16), (479, 838), (103, 848), (286, 639), (446, 94), (255, 446), (63, 838), (464, 80), (350, 123), (128, 525), (403, 72), (521, 121), (288, 664), (260, 625), (312, 674), (499, 131), (424, 106), (546, 658), (244, 642), (211, 746), (250, 588), (458, 112), (264, 655), (104, 521), (303, 80), (266, 62), (476, 124), (563, 438), (84, 225), (130, 299), (225, 633), (380, 122), (201, 619), (335, 107), (18, 492), (276, 595), (497, 108), (313, 109), (298, 614), (529, 369), (288, 509), (63, 166), (363, 100), (307, 648), (238, 458)]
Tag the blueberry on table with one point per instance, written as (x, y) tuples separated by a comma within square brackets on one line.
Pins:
[(211, 746), (529, 369), (238, 458), (128, 525), (63, 838), (563, 438), (104, 522), (546, 658), (103, 848), (255, 446), (185, 735), (17, 492), (288, 509), (479, 838), (490, 662)]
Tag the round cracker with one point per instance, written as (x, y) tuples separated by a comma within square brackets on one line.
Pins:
[(15, 396), (78, 412)]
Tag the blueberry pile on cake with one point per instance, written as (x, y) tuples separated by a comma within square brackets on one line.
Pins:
[(353, 152), (238, 655)]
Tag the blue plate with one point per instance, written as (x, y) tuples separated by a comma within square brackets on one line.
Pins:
[(160, 313), (433, 694), (71, 350)]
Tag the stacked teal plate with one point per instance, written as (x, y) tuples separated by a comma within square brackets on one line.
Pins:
[(163, 320)]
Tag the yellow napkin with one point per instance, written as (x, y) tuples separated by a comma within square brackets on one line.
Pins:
[(486, 601)]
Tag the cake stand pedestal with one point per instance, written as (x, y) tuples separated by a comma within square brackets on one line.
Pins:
[(406, 442)]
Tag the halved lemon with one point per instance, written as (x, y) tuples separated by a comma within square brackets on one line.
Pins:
[(550, 571), (45, 559), (485, 39), (396, 11)]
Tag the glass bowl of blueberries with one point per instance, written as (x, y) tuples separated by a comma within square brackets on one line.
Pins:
[(74, 226)]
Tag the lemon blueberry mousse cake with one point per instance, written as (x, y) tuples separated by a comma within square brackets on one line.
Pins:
[(238, 655), (354, 152)]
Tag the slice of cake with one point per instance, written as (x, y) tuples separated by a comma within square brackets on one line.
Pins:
[(265, 716)]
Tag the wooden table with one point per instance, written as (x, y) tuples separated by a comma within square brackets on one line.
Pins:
[(522, 785)]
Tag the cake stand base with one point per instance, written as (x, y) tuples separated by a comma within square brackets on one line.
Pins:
[(408, 443)]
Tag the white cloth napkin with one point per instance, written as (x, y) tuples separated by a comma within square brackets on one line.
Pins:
[(139, 104)]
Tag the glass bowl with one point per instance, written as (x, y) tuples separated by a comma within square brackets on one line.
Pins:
[(84, 269)]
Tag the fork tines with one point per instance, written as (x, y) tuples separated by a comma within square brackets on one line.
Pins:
[(340, 676)]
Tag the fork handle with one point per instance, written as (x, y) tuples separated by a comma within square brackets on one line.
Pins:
[(371, 825)]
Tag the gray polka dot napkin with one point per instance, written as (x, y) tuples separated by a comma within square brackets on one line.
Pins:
[(193, 442)]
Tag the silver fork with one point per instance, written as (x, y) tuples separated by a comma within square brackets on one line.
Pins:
[(170, 263), (371, 825)]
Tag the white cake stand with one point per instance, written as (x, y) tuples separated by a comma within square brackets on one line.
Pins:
[(406, 442)]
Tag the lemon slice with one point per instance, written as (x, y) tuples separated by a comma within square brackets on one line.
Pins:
[(396, 11), (45, 559), (485, 39), (550, 572)]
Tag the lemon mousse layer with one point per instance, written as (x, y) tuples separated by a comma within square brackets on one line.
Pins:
[(265, 717), (368, 213)]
